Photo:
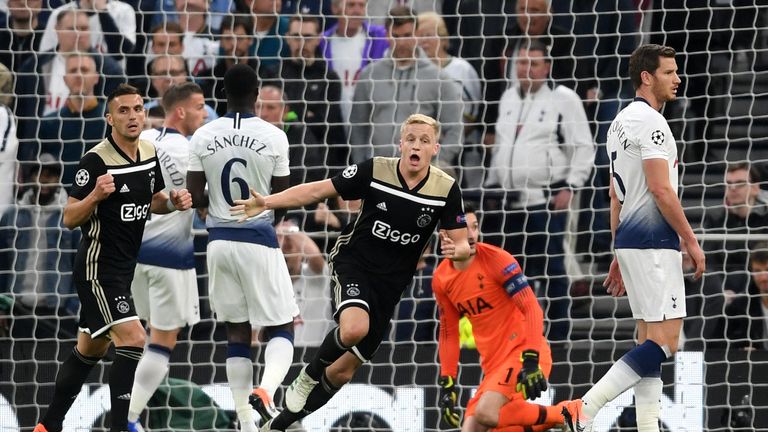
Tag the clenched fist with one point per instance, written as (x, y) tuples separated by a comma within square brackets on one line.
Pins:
[(105, 185)]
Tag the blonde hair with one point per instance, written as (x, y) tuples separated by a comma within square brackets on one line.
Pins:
[(421, 119), (433, 19)]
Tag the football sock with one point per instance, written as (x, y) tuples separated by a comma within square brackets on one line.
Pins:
[(320, 395), (150, 372), (643, 360), (69, 380), (240, 378), (521, 413), (121, 376), (648, 403), (278, 357), (330, 351)]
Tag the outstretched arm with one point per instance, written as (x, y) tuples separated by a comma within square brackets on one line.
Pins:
[(297, 196)]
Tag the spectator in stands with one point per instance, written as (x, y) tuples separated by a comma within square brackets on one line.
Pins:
[(319, 8), (543, 152), (37, 253), (307, 155), (235, 44), (21, 31), (692, 32), (393, 88), (744, 211), (165, 39), (40, 87), (80, 123), (312, 90), (433, 40), (310, 277), (112, 26), (217, 11), (747, 315), (350, 45), (483, 29), (199, 47), (168, 70), (10, 141), (269, 30)]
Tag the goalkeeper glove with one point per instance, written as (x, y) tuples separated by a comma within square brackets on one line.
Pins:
[(531, 381), (448, 399)]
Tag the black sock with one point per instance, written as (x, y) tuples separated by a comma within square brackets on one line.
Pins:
[(320, 395), (330, 351), (121, 383), (69, 380)]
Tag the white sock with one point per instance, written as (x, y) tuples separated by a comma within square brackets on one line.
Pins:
[(240, 377), (150, 372), (616, 381), (648, 403), (278, 357)]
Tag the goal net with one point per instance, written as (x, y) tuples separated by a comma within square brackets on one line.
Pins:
[(466, 70)]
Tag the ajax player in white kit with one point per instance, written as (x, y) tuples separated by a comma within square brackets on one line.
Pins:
[(164, 284), (249, 282), (648, 224)]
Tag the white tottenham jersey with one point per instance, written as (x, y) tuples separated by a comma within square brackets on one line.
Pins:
[(639, 132), (168, 240), (238, 152)]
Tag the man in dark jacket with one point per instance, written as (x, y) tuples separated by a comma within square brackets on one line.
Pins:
[(235, 46), (744, 211), (80, 124), (311, 89), (307, 155), (40, 86)]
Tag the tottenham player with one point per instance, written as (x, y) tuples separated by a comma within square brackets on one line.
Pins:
[(648, 223), (164, 283), (508, 325), (117, 184), (375, 257), (249, 279)]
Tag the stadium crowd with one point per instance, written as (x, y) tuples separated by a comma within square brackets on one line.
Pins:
[(339, 77)]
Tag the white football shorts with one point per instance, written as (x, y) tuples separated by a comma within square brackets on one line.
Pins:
[(653, 279), (250, 282), (166, 297)]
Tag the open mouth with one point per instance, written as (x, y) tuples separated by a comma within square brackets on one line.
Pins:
[(414, 158)]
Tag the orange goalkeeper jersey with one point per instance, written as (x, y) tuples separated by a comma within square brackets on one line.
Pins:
[(494, 294)]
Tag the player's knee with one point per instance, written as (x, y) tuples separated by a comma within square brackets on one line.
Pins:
[(352, 332), (133, 339)]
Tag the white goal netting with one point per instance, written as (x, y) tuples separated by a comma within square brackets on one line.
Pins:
[(335, 110)]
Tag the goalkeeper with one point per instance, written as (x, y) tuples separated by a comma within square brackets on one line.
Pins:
[(491, 290)]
